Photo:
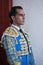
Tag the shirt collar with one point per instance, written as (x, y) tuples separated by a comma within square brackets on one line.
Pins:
[(14, 26)]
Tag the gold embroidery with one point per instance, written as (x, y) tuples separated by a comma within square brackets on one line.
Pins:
[(26, 51), (19, 52), (21, 34), (13, 57), (25, 45), (11, 31), (17, 63), (22, 40), (11, 52)]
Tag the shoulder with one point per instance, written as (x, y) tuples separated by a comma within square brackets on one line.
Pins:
[(26, 31), (10, 31)]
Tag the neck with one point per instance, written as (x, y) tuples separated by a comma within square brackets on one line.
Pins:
[(16, 25)]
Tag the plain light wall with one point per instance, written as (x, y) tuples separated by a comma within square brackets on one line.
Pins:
[(34, 24)]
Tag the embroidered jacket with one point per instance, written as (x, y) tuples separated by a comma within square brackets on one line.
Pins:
[(16, 47)]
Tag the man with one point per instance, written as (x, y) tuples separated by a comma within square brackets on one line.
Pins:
[(16, 40)]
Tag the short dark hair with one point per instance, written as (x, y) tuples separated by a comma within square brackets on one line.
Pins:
[(13, 12)]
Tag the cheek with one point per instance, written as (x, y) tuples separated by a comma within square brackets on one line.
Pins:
[(19, 18)]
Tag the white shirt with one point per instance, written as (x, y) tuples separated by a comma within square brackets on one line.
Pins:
[(14, 26)]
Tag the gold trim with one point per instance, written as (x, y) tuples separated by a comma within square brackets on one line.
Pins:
[(19, 52), (17, 63)]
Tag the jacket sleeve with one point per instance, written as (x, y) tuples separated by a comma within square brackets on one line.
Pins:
[(9, 45), (32, 61)]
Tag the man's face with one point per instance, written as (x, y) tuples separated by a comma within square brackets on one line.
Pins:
[(19, 17)]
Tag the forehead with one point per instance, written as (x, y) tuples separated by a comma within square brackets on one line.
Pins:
[(20, 11)]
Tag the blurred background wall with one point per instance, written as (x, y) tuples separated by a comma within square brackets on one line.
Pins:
[(34, 24)]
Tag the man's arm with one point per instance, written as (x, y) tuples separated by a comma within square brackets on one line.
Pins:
[(9, 45), (32, 61)]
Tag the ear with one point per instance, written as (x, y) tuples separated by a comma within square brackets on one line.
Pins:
[(12, 17)]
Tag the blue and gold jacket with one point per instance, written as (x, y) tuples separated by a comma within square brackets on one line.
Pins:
[(17, 48)]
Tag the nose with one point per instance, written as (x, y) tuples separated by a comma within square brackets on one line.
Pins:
[(23, 16)]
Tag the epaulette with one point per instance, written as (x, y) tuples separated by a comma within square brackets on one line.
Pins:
[(10, 31)]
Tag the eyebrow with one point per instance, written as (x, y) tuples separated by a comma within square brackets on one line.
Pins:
[(22, 14)]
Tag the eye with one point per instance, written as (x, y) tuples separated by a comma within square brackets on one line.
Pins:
[(21, 14)]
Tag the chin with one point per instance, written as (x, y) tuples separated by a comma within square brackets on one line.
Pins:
[(22, 24)]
